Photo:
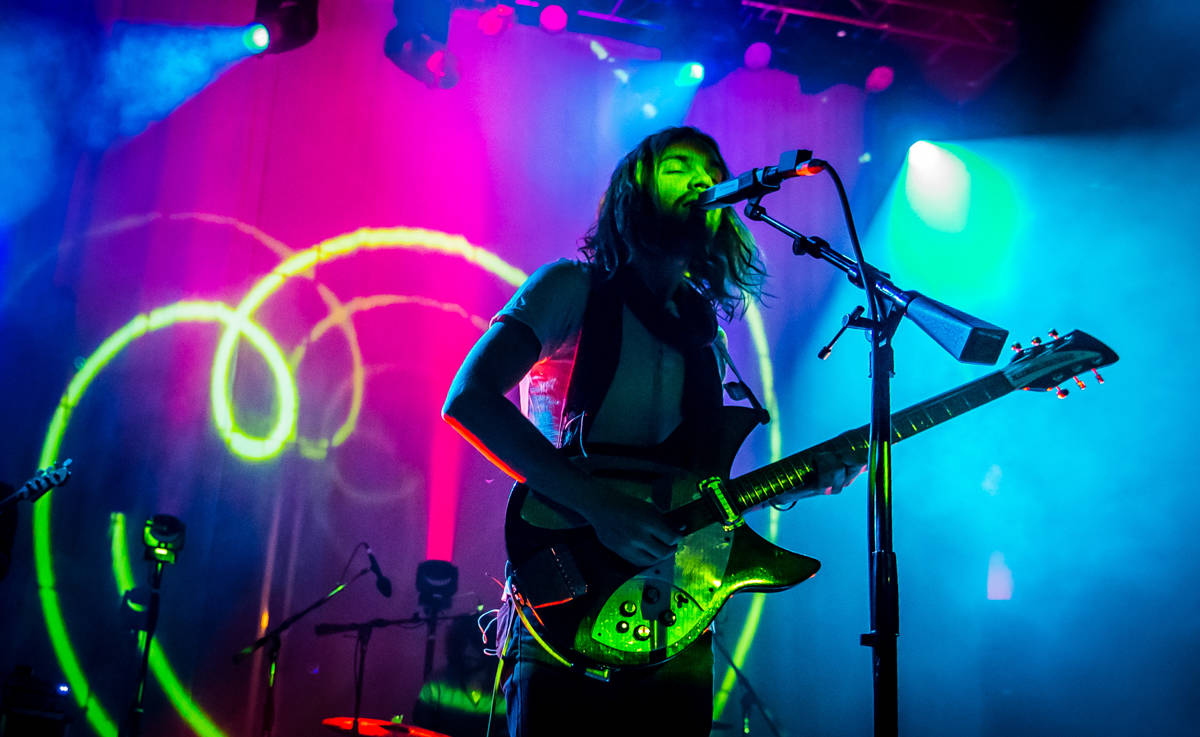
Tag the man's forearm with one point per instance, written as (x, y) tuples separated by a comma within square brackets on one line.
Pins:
[(498, 430)]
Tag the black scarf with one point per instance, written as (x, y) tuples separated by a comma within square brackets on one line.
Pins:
[(691, 333)]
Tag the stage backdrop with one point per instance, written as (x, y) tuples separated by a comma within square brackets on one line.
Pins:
[(359, 230)]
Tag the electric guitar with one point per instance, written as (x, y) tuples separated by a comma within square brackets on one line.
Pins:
[(597, 611), (44, 480)]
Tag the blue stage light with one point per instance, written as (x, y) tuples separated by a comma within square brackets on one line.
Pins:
[(690, 75), (256, 38)]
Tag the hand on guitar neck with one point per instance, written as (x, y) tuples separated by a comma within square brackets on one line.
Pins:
[(835, 471)]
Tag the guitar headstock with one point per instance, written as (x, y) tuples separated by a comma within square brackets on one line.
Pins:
[(46, 479), (1044, 365)]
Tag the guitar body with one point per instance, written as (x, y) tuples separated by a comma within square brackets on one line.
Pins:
[(594, 607)]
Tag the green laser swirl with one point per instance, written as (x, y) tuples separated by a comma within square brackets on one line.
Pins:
[(318, 449), (238, 324), (416, 239), (60, 640)]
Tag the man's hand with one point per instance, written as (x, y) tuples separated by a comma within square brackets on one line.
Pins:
[(631, 528), (836, 471)]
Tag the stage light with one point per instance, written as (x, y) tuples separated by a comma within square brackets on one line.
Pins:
[(880, 79), (423, 58), (418, 42), (288, 24), (145, 71), (256, 38), (163, 536), (758, 55), (497, 20), (690, 75), (999, 579), (437, 583), (553, 19), (938, 187)]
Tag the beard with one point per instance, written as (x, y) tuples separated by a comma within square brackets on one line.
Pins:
[(681, 231)]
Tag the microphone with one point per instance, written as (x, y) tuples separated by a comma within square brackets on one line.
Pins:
[(381, 581), (758, 182)]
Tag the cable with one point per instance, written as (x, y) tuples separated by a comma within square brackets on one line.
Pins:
[(342, 577)]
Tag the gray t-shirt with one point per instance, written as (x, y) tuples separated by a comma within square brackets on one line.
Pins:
[(643, 403)]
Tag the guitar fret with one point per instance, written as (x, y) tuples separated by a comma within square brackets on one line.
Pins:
[(760, 485)]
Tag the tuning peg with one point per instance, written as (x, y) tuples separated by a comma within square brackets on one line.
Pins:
[(1061, 393), (1099, 378), (1079, 382), (1035, 340), (1016, 347), (1053, 334)]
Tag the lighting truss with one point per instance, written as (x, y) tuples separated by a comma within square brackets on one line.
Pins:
[(939, 28)]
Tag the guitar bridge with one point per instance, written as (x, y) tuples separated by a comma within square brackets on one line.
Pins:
[(713, 488)]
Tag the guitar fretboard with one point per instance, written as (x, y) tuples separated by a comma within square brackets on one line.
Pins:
[(752, 489)]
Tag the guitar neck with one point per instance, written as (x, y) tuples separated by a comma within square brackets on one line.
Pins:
[(757, 487)]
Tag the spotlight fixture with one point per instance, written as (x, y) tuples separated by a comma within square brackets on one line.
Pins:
[(553, 19), (287, 24), (163, 537), (690, 74), (757, 56), (879, 79), (437, 582), (418, 42), (497, 20)]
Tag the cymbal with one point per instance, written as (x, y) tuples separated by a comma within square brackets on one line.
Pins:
[(376, 727)]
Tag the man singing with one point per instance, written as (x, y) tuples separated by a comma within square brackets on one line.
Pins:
[(618, 351)]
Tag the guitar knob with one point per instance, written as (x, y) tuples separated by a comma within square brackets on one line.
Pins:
[(1035, 340), (622, 627), (1016, 347), (628, 608), (1062, 393), (651, 595), (641, 632), (667, 618), (1053, 334)]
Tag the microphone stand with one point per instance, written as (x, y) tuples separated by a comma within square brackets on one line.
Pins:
[(362, 632), (132, 727), (750, 697), (272, 642), (968, 339)]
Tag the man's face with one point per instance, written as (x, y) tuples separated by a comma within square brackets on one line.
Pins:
[(682, 172)]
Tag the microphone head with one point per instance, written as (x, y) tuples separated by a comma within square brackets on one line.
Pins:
[(709, 199), (384, 585)]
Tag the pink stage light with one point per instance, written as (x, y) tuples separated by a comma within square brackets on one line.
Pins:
[(553, 18), (758, 55), (880, 79), (496, 20)]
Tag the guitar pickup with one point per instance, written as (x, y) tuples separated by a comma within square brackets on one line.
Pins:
[(550, 577)]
